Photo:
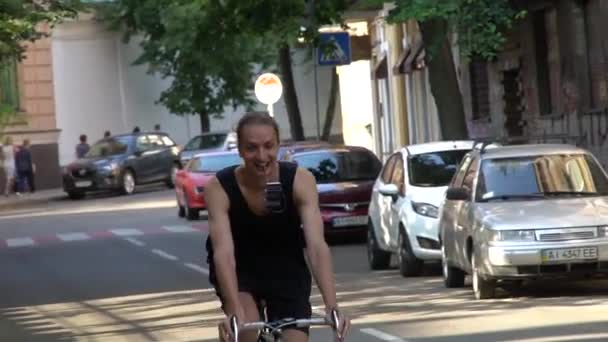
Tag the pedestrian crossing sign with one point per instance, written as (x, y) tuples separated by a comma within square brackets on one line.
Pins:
[(334, 48)]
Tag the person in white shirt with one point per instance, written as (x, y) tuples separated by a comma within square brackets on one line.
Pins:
[(8, 164)]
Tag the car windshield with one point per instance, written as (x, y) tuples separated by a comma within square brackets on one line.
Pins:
[(206, 141), (435, 168), (109, 147), (541, 177), (211, 163), (340, 166)]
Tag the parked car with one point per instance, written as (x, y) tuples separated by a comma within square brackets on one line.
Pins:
[(524, 212), (207, 142), (287, 149), (121, 163), (191, 181), (345, 176), (405, 200)]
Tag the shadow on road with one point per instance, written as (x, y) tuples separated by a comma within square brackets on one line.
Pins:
[(100, 290)]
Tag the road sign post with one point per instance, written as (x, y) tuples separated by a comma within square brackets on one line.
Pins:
[(268, 89)]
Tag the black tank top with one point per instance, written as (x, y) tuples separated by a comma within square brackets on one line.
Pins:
[(268, 249)]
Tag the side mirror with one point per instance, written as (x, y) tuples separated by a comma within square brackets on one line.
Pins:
[(457, 194), (389, 190)]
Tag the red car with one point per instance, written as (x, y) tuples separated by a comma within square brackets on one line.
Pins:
[(345, 177), (191, 180)]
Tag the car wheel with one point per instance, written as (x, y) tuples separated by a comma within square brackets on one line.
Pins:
[(76, 195), (171, 180), (128, 183), (409, 264), (452, 277), (181, 210), (191, 213), (377, 258), (482, 288)]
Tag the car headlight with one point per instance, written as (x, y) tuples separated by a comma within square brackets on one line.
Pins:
[(602, 231), (513, 235), (425, 209), (113, 166)]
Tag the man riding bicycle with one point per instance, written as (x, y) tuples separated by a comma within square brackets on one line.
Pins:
[(256, 253)]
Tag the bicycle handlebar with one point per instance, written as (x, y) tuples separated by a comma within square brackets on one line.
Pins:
[(280, 324)]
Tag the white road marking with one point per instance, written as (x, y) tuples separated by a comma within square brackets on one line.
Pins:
[(164, 254), (197, 268), (382, 335), (20, 242), (73, 237), (136, 242), (180, 229), (126, 232)]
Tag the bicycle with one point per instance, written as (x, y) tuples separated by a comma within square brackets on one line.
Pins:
[(272, 331)]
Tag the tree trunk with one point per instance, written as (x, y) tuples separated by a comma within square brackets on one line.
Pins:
[(331, 105), (205, 124), (443, 79), (289, 91)]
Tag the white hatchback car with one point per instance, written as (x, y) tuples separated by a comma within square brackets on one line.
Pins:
[(404, 205)]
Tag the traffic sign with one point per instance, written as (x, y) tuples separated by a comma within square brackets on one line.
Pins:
[(268, 88), (334, 48)]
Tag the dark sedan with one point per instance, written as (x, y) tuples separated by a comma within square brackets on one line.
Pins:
[(345, 177), (122, 162)]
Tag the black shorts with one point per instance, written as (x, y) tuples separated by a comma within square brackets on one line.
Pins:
[(292, 304)]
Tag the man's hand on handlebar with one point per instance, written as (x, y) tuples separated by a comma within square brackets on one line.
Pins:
[(340, 324)]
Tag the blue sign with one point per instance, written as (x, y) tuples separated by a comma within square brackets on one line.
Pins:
[(334, 48)]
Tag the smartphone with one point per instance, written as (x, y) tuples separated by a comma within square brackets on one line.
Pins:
[(275, 199)]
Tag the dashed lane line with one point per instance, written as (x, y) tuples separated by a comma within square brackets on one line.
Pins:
[(197, 268), (382, 335), (165, 255)]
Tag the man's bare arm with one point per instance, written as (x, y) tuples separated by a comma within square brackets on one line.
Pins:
[(223, 245), (319, 255)]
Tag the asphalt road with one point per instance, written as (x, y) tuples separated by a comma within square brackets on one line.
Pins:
[(127, 269)]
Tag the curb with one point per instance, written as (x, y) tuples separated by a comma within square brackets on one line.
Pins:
[(26, 202)]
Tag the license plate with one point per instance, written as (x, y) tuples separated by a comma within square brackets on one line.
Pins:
[(567, 254), (349, 221), (83, 184)]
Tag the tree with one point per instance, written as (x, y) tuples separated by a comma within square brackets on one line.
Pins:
[(20, 21), (213, 49), (200, 46), (480, 26)]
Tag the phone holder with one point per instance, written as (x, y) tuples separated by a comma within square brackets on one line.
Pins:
[(274, 197)]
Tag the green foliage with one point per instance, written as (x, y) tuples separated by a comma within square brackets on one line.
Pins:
[(213, 49), (20, 19), (480, 24)]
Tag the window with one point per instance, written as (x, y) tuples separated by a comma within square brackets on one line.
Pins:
[(167, 141), (435, 168), (155, 141), (109, 147), (398, 177), (9, 90), (549, 175), (212, 163), (340, 166), (480, 88), (206, 141), (142, 143), (388, 168)]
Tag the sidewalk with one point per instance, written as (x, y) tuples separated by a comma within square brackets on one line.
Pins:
[(28, 199)]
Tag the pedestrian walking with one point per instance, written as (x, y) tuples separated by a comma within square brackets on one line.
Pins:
[(83, 147), (25, 168), (8, 164)]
